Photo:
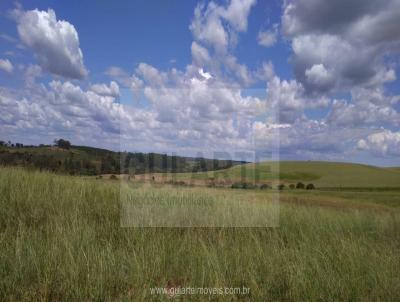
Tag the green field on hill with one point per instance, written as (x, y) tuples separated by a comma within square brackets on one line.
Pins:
[(83, 160), (62, 240), (321, 174)]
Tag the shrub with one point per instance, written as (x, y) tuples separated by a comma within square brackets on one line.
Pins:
[(281, 187), (113, 177), (62, 143), (247, 185), (310, 187), (236, 185), (243, 185), (265, 186), (292, 186), (299, 185)]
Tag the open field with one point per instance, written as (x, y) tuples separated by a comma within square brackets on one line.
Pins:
[(62, 241), (321, 174)]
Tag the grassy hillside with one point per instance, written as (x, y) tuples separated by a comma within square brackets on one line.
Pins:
[(395, 169), (331, 174), (84, 160), (62, 241), (322, 174)]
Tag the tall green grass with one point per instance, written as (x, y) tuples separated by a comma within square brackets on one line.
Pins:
[(61, 240)]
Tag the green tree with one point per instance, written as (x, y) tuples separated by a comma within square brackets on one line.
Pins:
[(310, 187), (62, 143), (265, 186)]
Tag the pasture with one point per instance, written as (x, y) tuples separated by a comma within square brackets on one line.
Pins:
[(324, 175), (62, 240)]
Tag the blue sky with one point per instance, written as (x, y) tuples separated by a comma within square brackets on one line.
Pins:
[(138, 32), (318, 80)]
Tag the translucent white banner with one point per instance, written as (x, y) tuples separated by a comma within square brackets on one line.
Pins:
[(207, 170)]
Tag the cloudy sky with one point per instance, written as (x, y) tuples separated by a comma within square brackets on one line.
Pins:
[(316, 79)]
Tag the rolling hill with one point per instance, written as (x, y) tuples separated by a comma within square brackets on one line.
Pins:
[(394, 169), (85, 160), (322, 174)]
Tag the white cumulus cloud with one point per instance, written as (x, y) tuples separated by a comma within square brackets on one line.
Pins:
[(6, 65), (383, 143), (268, 38), (54, 42), (104, 90), (352, 39)]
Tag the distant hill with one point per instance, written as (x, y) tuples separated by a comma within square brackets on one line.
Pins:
[(85, 160), (321, 174), (334, 174), (394, 169)]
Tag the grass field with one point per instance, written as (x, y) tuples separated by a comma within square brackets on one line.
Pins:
[(62, 241), (322, 174)]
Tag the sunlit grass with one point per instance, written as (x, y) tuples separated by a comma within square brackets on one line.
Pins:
[(61, 240), (322, 174), (169, 206)]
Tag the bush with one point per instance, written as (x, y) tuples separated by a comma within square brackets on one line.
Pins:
[(299, 185), (248, 185), (292, 186), (243, 185), (310, 187), (62, 143), (236, 185), (281, 187), (113, 177), (265, 186)]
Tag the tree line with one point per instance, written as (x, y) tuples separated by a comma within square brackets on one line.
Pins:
[(63, 157)]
